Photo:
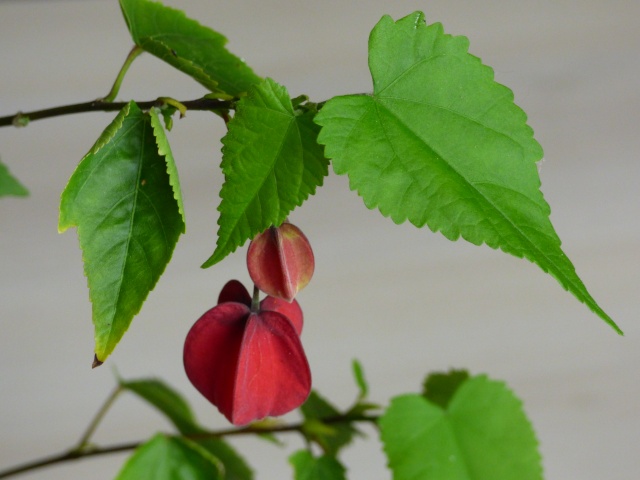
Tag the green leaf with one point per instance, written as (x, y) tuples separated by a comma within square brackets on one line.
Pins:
[(307, 467), (439, 388), (361, 381), (440, 143), (271, 163), (165, 150), (331, 437), (188, 46), (168, 458), (9, 185), (121, 199), (165, 399), (484, 433), (169, 402)]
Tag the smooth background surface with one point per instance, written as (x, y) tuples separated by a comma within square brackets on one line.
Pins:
[(404, 301)]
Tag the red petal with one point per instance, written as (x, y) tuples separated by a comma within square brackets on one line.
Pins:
[(291, 310), (273, 375), (211, 352), (234, 291)]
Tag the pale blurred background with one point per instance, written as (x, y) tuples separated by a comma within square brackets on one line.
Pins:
[(404, 301)]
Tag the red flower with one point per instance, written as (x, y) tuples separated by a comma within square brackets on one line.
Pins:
[(248, 364)]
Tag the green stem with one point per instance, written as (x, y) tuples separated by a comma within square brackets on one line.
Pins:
[(255, 301), (76, 454), (84, 440), (133, 54)]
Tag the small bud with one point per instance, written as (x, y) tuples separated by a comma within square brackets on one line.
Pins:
[(280, 261)]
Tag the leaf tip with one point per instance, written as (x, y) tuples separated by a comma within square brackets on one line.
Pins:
[(96, 362)]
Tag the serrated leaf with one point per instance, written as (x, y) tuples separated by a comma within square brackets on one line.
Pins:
[(308, 467), (439, 388), (331, 437), (168, 458), (128, 220), (440, 143), (165, 150), (10, 185), (188, 46), (484, 433), (271, 162), (173, 405)]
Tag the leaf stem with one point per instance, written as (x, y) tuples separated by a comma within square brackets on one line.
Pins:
[(133, 54), (23, 118), (90, 451), (84, 440)]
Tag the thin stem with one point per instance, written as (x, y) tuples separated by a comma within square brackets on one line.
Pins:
[(88, 451), (133, 54), (84, 440), (255, 300), (23, 118)]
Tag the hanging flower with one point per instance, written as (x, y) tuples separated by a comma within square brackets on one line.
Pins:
[(250, 364)]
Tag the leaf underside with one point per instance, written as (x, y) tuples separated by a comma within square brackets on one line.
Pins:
[(441, 144), (483, 433), (122, 201), (188, 46), (271, 162)]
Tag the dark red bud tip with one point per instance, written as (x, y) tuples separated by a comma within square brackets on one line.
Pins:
[(234, 291), (280, 261)]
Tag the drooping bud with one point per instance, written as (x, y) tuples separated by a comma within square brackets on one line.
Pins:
[(248, 364), (280, 261)]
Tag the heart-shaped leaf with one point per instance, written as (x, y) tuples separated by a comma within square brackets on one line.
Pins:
[(482, 434), (440, 143)]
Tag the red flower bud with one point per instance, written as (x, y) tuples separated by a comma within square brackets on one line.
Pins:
[(280, 261), (249, 364)]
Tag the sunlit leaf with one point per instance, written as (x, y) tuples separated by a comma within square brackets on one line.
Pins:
[(271, 163), (482, 434), (121, 199), (188, 46), (441, 144)]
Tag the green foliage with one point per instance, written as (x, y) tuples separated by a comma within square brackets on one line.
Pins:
[(188, 46), (121, 199), (9, 185), (177, 410), (440, 143), (482, 434), (308, 467), (167, 458), (331, 437), (271, 163), (361, 381), (439, 388)]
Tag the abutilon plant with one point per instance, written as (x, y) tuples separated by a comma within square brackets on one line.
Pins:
[(437, 142)]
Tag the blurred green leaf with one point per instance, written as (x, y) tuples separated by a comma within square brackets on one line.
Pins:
[(483, 434), (168, 458), (361, 381), (121, 199), (9, 185), (331, 437), (169, 402), (271, 163), (307, 467), (439, 388), (441, 144), (188, 46)]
